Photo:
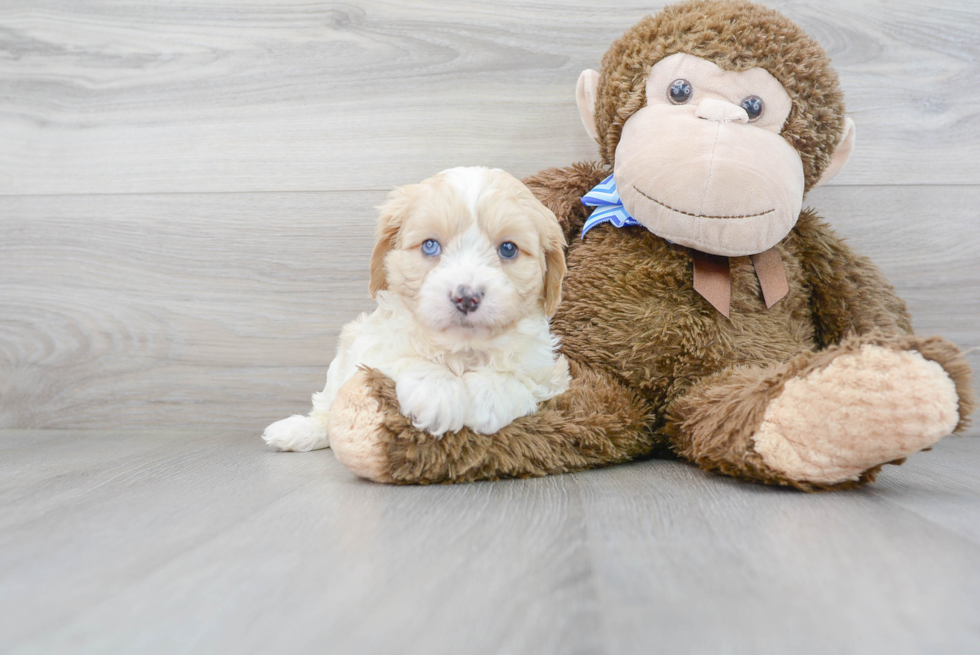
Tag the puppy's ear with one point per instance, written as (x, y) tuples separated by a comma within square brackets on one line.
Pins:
[(553, 240), (390, 220)]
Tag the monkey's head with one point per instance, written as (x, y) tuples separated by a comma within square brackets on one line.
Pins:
[(717, 116)]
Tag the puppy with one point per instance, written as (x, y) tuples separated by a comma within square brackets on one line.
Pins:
[(467, 268)]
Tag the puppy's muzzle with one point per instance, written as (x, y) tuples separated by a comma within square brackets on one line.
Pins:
[(466, 299)]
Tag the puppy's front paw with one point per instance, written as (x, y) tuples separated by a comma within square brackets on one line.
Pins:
[(495, 401), (298, 433), (435, 402)]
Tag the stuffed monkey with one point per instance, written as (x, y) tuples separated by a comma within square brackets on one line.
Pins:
[(705, 314)]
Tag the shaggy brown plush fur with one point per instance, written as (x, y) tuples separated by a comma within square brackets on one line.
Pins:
[(595, 422), (848, 294), (655, 367)]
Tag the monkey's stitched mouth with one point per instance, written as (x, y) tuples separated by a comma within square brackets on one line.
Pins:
[(681, 211)]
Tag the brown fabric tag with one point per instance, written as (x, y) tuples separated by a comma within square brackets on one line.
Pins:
[(713, 279), (772, 276)]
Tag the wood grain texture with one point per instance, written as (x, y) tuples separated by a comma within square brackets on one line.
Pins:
[(197, 310), (941, 489), (697, 563), (186, 188), (186, 193), (157, 310), (136, 96), (212, 543), (208, 542)]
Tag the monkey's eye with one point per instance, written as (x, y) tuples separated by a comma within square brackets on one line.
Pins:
[(507, 250), (431, 248), (753, 107), (680, 91)]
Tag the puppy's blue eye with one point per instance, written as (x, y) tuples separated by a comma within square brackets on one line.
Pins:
[(431, 248), (507, 250)]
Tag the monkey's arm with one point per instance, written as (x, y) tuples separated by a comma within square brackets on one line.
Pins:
[(596, 422), (561, 191), (849, 295)]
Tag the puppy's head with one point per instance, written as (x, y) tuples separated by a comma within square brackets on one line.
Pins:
[(470, 250)]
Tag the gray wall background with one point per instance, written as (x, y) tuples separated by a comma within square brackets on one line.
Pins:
[(187, 189)]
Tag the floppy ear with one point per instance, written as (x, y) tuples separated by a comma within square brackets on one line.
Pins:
[(553, 241), (390, 219)]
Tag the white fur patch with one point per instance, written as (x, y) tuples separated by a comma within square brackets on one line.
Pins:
[(469, 182), (298, 433), (860, 411), (483, 384)]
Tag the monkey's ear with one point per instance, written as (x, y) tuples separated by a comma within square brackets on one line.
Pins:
[(585, 92), (390, 219), (841, 154)]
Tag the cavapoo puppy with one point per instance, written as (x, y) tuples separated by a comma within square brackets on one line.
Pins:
[(466, 270)]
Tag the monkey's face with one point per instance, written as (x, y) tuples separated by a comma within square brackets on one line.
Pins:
[(703, 164)]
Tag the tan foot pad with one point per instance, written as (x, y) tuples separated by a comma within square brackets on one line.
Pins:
[(862, 410), (355, 424)]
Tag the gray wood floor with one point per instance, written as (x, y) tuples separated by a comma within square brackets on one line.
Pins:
[(181, 542)]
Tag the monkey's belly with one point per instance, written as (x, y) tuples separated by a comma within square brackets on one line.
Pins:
[(630, 308)]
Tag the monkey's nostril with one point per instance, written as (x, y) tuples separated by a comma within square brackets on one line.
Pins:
[(466, 299)]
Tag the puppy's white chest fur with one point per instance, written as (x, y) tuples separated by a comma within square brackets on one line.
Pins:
[(482, 384)]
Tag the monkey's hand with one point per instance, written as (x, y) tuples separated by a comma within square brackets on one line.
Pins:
[(596, 422)]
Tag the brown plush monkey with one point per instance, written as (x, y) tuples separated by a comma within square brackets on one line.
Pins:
[(704, 315)]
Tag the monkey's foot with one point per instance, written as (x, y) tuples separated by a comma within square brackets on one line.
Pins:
[(865, 408), (825, 419)]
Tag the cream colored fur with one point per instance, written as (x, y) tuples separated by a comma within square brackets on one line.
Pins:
[(480, 369), (842, 154), (875, 406), (354, 425), (682, 172), (585, 94)]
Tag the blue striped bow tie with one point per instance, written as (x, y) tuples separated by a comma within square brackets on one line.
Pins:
[(605, 197)]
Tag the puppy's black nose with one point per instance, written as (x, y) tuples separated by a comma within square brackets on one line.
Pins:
[(466, 299)]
